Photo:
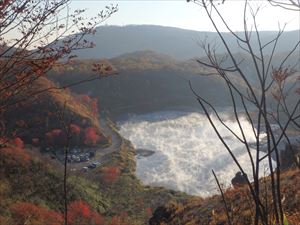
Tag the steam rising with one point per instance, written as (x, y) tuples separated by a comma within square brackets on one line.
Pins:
[(186, 150)]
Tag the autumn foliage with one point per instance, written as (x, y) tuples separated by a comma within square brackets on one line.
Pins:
[(33, 41), (18, 142), (74, 128), (110, 174), (35, 141), (14, 157), (80, 213), (91, 136), (119, 220), (90, 103), (28, 213), (56, 137)]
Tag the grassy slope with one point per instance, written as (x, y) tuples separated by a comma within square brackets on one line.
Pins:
[(35, 181), (41, 183), (212, 211), (128, 193)]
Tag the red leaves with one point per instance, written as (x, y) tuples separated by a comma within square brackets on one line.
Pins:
[(56, 132), (279, 75), (91, 103), (28, 213), (18, 142), (110, 174), (91, 136), (80, 213), (4, 4), (85, 99), (56, 137), (149, 212), (35, 141), (14, 156), (118, 220), (49, 137), (78, 209), (94, 106), (74, 128)]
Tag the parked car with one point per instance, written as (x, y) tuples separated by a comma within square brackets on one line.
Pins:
[(91, 166), (96, 163), (85, 169)]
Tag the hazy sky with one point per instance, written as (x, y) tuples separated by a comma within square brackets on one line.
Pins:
[(179, 13)]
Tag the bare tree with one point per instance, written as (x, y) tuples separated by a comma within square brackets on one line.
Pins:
[(36, 36), (255, 99), (286, 4)]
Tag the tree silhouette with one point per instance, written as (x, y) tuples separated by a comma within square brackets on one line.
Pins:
[(35, 37), (256, 100)]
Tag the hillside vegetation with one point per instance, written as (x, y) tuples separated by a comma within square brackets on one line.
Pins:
[(212, 210), (112, 192), (46, 118), (31, 180), (147, 82)]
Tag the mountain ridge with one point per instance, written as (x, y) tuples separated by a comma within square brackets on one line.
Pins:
[(112, 41)]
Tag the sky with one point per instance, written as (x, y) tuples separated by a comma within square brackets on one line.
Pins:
[(179, 13)]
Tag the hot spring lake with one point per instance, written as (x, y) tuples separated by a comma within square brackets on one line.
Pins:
[(186, 150)]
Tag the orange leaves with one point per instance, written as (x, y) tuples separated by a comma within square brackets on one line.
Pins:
[(80, 213), (28, 213), (110, 174)]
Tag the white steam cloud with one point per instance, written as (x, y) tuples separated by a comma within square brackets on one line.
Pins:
[(186, 150)]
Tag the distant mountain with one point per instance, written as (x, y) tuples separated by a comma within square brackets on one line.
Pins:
[(147, 82), (112, 41)]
